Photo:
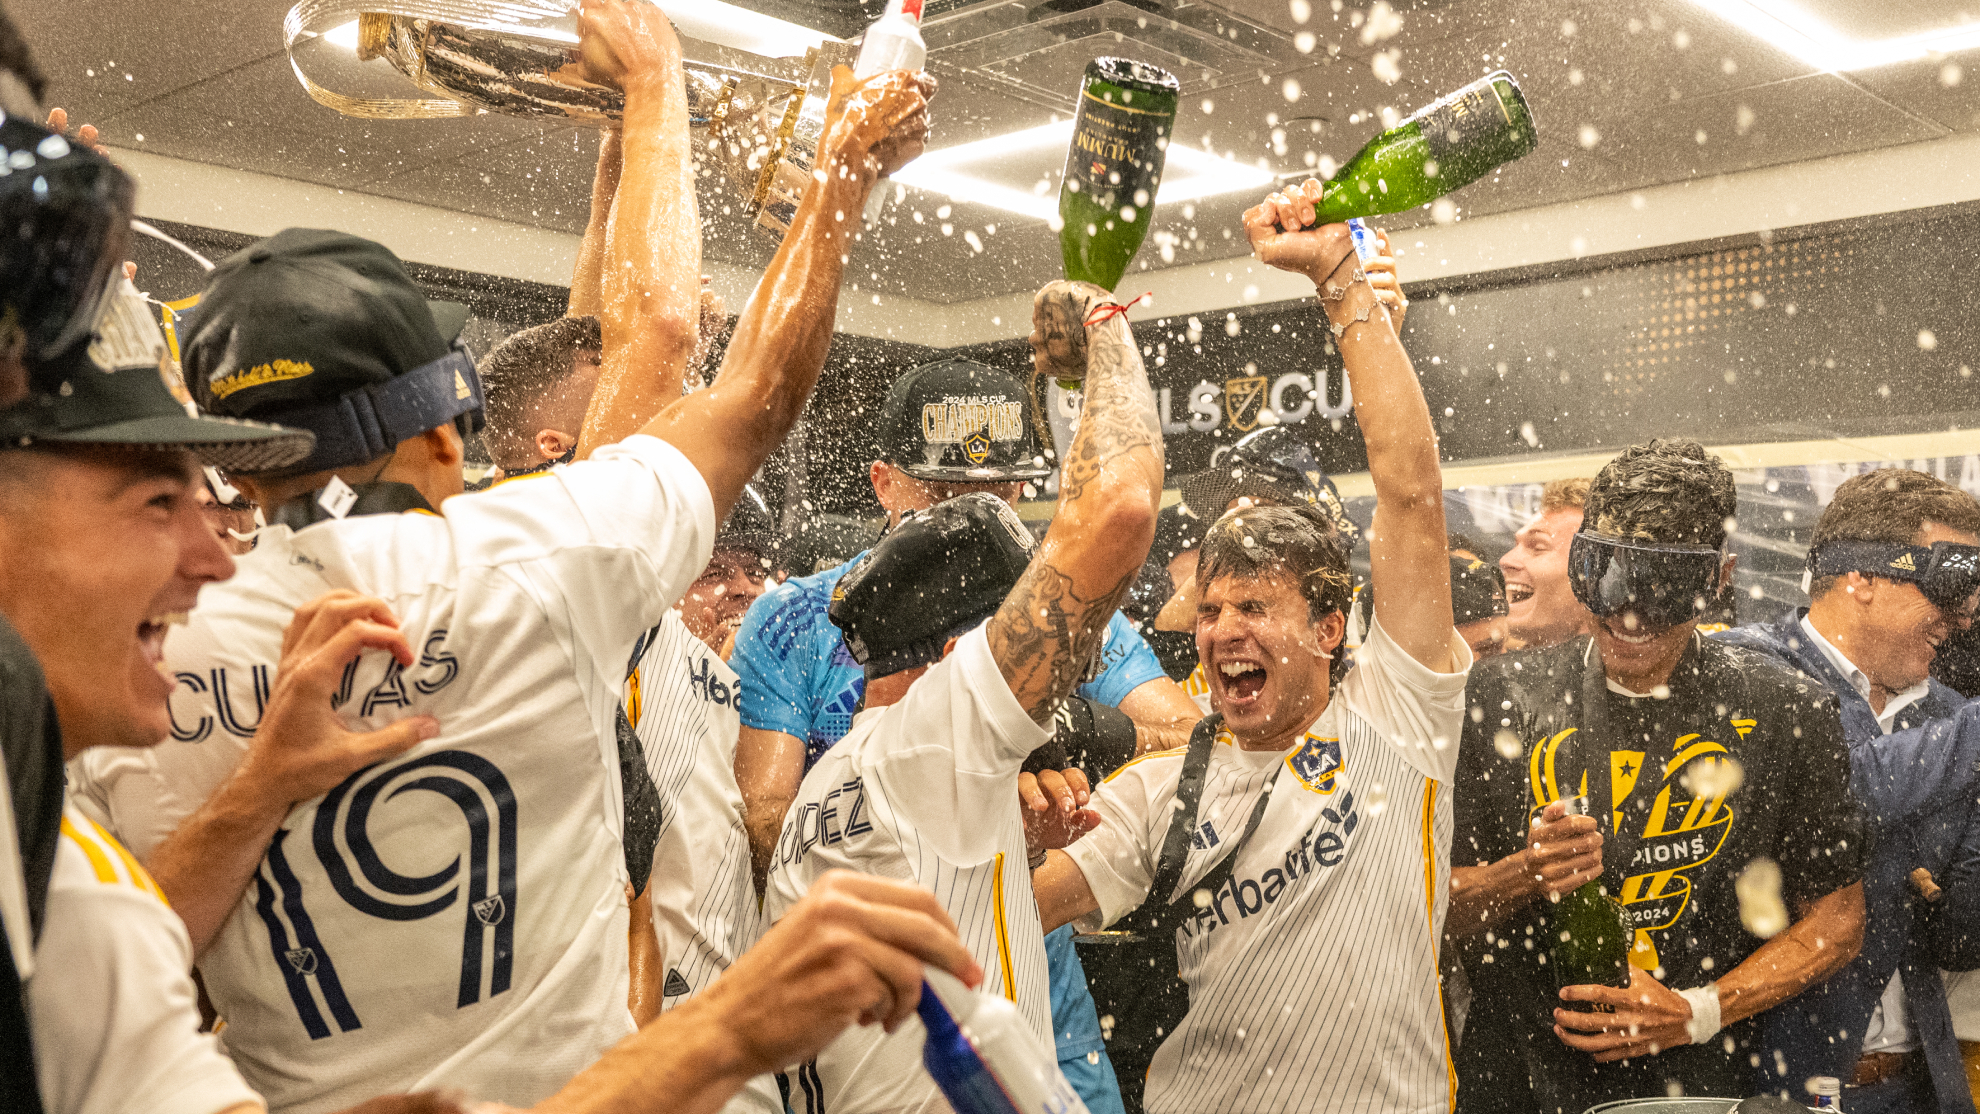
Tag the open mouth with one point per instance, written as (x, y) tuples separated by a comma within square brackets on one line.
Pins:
[(1243, 680), (151, 635), (1518, 593), (1629, 630)]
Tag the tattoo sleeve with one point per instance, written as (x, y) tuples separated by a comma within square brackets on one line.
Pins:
[(1053, 622)]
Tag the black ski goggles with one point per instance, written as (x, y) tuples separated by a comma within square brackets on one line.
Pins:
[(1663, 583), (65, 225), (1948, 573)]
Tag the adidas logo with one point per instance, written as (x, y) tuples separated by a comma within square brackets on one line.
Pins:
[(1905, 562), (675, 985)]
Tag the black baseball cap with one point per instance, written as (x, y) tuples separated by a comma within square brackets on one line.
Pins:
[(959, 421), (750, 527), (937, 574), (107, 388), (1478, 591), (1269, 465), (327, 332)]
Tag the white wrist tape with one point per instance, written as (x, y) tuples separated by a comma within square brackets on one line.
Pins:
[(1704, 1023)]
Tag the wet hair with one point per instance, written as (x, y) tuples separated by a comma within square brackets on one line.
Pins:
[(519, 372), (1890, 505), (1670, 490), (1298, 540), (15, 58), (1561, 494)]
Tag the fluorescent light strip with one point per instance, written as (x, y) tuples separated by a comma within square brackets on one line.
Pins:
[(944, 172), (1782, 25), (708, 20)]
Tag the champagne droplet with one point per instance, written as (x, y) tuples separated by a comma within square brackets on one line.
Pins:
[(1507, 744), (1377, 799), (1760, 907)]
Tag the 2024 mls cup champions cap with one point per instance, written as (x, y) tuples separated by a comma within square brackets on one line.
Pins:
[(939, 571), (327, 332), (959, 421)]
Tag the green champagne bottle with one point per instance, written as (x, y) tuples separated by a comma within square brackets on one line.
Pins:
[(1127, 110), (1592, 938), (1448, 143)]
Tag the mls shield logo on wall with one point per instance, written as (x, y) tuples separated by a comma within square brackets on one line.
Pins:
[(1243, 399), (1317, 763)]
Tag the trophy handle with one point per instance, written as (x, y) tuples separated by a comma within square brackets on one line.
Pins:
[(335, 13)]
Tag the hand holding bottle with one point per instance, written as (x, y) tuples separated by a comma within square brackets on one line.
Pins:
[(875, 126), (1285, 234), (1059, 312), (1563, 853), (1631, 1022)]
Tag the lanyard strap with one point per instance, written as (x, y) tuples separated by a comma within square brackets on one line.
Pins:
[(1160, 912)]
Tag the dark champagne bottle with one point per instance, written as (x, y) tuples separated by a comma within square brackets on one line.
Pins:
[(1127, 111), (1591, 936), (1448, 143)]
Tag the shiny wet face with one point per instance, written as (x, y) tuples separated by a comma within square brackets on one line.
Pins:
[(1541, 608), (105, 551), (1264, 656)]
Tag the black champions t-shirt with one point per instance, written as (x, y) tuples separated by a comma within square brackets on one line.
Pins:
[(1674, 841)]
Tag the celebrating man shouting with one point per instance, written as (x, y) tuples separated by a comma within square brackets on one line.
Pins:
[(1301, 868)]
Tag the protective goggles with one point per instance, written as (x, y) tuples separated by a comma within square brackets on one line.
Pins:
[(1948, 573), (65, 225), (1664, 584)]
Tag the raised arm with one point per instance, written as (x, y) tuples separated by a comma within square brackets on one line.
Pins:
[(1110, 488), (872, 128), (649, 277), (1406, 542), (587, 293)]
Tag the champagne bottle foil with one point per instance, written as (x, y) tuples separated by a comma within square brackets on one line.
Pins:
[(761, 118)]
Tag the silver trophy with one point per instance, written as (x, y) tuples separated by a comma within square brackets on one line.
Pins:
[(762, 118)]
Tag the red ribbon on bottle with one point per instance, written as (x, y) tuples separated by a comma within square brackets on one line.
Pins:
[(1106, 310)]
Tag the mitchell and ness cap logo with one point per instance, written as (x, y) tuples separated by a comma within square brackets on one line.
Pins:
[(952, 420), (275, 371)]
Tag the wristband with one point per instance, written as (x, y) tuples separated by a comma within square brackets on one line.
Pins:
[(1704, 1022), (1038, 859)]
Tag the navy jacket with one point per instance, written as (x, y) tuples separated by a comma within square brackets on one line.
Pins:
[(1917, 787)]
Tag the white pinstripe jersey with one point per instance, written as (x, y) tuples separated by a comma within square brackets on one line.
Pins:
[(924, 791), (455, 916), (682, 701), (1313, 970), (115, 1015)]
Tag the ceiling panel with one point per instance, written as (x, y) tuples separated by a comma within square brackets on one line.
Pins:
[(210, 84)]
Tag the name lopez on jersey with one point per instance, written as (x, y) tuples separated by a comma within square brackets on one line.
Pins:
[(1322, 847), (226, 691), (839, 816)]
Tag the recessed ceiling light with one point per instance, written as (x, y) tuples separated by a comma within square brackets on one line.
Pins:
[(993, 171), (1785, 26)]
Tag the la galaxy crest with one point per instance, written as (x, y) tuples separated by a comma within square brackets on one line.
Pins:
[(977, 447), (1317, 763)]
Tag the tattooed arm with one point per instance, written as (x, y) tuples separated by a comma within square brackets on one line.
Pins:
[(1110, 487)]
